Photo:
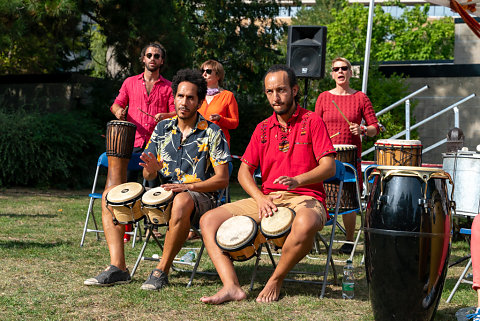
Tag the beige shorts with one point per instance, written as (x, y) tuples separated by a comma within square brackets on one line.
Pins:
[(294, 201)]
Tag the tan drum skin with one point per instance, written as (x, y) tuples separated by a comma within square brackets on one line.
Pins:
[(124, 201), (276, 228), (157, 205)]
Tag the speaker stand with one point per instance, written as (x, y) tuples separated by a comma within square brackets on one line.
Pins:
[(306, 94)]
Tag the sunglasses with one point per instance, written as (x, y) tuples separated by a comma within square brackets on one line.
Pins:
[(344, 68), (208, 71), (149, 55)]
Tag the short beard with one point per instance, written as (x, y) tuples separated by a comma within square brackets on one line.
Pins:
[(152, 69), (290, 103)]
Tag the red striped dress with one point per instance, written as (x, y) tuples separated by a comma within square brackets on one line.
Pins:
[(355, 107)]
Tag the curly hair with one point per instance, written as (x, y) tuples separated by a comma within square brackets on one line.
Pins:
[(193, 76)]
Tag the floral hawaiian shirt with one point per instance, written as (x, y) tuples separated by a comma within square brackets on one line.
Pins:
[(193, 159)]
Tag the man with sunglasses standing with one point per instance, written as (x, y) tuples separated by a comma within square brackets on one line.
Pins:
[(144, 100)]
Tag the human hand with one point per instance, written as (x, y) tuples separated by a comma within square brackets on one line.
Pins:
[(355, 129), (159, 117), (215, 117), (151, 164), (291, 182), (120, 113), (177, 188), (265, 205)]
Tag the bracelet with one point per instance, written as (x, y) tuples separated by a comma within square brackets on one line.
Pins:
[(363, 130)]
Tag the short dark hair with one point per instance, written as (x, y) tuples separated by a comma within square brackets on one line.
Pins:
[(292, 78), (193, 76), (157, 45)]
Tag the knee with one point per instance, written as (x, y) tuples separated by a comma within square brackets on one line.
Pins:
[(182, 207), (306, 225)]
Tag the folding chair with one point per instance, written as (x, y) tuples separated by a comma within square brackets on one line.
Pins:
[(462, 278), (338, 179), (223, 197), (350, 177), (103, 163)]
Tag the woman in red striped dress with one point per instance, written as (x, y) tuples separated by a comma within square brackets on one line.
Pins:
[(356, 106)]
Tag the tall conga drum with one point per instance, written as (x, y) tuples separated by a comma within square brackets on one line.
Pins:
[(397, 152), (345, 154), (407, 241), (120, 138)]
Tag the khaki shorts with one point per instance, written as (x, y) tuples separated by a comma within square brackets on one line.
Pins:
[(294, 201)]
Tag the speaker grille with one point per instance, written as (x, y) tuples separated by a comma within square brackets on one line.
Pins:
[(306, 61)]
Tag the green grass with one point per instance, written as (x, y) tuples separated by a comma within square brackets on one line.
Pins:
[(43, 269)]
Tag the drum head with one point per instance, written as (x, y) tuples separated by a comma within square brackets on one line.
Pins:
[(279, 222), (236, 232), (120, 123), (398, 142), (344, 147), (125, 192), (156, 196)]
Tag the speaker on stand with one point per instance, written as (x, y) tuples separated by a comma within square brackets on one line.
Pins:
[(306, 52)]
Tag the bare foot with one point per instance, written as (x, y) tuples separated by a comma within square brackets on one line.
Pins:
[(234, 293), (270, 292)]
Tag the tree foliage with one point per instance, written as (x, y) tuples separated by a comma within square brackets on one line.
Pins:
[(40, 36)]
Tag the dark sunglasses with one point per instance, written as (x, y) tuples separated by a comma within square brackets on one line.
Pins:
[(344, 68), (149, 55), (208, 71)]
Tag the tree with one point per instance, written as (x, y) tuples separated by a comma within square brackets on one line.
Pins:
[(40, 36)]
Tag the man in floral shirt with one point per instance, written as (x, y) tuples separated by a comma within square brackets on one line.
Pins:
[(190, 155)]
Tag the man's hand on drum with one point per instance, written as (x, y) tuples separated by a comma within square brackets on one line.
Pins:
[(151, 165), (265, 205), (291, 182), (120, 113), (177, 188)]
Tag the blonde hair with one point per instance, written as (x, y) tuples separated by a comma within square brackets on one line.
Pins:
[(217, 67), (344, 60)]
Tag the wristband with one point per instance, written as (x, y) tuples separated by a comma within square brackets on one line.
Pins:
[(363, 130)]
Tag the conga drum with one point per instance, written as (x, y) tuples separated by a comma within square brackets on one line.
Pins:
[(396, 152), (123, 201), (276, 228), (407, 241), (120, 138), (239, 238), (345, 154), (157, 205)]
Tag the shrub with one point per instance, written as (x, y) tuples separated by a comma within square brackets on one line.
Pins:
[(52, 150)]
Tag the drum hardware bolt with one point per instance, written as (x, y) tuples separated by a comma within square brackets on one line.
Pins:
[(382, 200)]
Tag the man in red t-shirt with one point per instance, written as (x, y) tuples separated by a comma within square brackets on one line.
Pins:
[(295, 155)]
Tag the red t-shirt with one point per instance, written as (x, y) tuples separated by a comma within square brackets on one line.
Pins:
[(289, 152), (134, 95)]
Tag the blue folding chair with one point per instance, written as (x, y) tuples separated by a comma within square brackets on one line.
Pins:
[(102, 162), (462, 278)]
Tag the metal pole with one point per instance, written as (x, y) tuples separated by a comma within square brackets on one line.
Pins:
[(457, 117), (395, 104), (367, 46), (407, 118)]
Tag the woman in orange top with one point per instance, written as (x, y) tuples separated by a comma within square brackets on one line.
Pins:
[(219, 106)]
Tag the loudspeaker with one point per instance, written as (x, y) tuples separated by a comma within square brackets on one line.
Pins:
[(306, 50)]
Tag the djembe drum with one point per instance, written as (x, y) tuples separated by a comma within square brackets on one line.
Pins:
[(345, 154), (407, 241), (276, 228), (119, 146), (238, 236), (397, 152)]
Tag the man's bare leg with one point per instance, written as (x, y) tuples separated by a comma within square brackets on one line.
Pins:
[(231, 290), (178, 228), (349, 221), (114, 236), (297, 245)]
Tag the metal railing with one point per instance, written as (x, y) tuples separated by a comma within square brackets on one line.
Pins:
[(409, 127)]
